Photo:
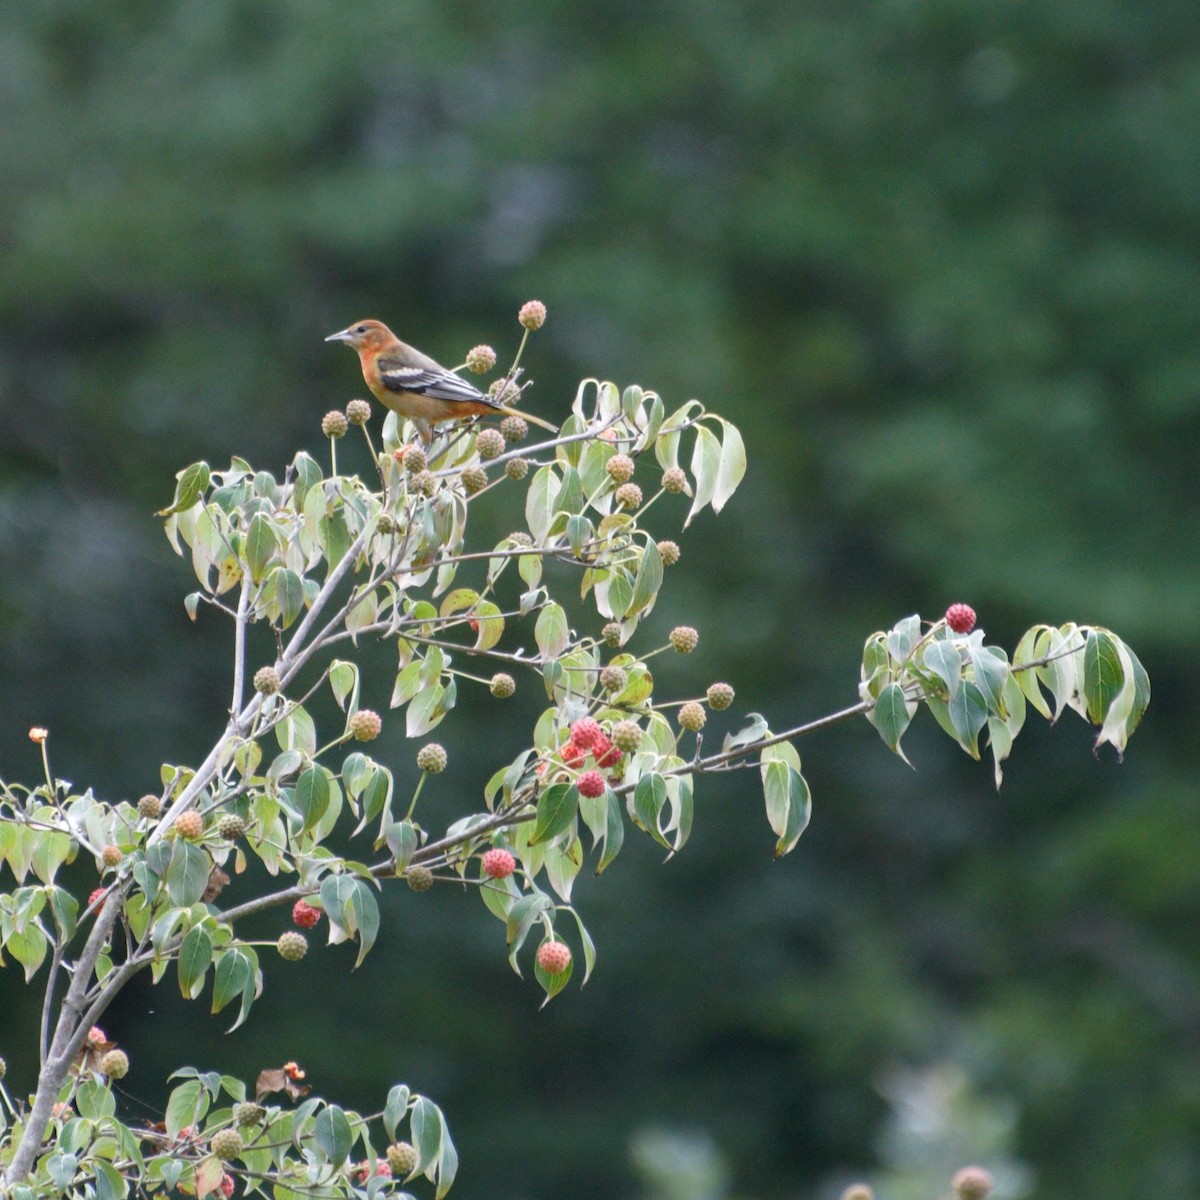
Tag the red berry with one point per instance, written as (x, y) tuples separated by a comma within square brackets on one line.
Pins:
[(305, 915), (554, 957), (605, 753), (227, 1186), (96, 896), (585, 733), (960, 618), (364, 1170), (499, 863), (572, 754), (590, 783)]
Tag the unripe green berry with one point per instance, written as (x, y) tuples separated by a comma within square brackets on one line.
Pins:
[(480, 359), (520, 538), (691, 716), (385, 524), (627, 736), (111, 856), (516, 469), (514, 429), (674, 480), (532, 314), (420, 879), (504, 391), (611, 634), (364, 725), (402, 1158), (246, 1112), (620, 468), (489, 443), (432, 758), (719, 696), (292, 946), (414, 459), (474, 479), (424, 483), (334, 424), (115, 1064), (358, 412), (266, 680), (684, 638), (502, 685), (227, 1143), (668, 551), (149, 808), (231, 827), (190, 825), (613, 679), (628, 495)]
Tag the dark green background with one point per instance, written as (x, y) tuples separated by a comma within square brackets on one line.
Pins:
[(938, 260)]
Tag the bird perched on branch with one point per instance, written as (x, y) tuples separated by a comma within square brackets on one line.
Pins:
[(414, 385)]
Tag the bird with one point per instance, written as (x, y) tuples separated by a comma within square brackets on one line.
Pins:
[(415, 385)]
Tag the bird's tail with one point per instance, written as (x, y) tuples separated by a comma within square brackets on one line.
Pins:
[(512, 412)]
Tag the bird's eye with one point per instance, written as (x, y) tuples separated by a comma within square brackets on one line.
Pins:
[(360, 329)]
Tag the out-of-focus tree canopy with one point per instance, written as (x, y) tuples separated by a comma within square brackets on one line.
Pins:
[(938, 260)]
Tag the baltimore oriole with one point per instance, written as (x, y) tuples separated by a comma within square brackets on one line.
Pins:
[(414, 385)]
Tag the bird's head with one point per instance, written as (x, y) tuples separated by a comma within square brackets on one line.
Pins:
[(364, 335)]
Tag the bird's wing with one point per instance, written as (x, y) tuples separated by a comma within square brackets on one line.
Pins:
[(437, 383)]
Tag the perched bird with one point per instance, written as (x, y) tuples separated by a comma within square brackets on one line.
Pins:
[(412, 384)]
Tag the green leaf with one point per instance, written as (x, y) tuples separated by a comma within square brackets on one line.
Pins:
[(311, 797), (614, 832), (968, 714), (333, 1135), (186, 1106), (297, 732), (788, 801), (395, 1109), (731, 468), (491, 625), (190, 485), (28, 946), (648, 799), (195, 957), (555, 811), (754, 731), (540, 502), (343, 679), (232, 977), (991, 674), (110, 1183), (261, 546), (522, 915), (401, 838), (902, 639), (706, 462), (362, 614), (570, 498), (289, 596), (648, 581), (187, 874), (94, 1100), (891, 716), (943, 660), (551, 631), (1103, 674), (1028, 651)]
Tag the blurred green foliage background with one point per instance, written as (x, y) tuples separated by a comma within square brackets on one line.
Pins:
[(938, 260)]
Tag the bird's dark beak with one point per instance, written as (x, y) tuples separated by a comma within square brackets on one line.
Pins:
[(344, 336)]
